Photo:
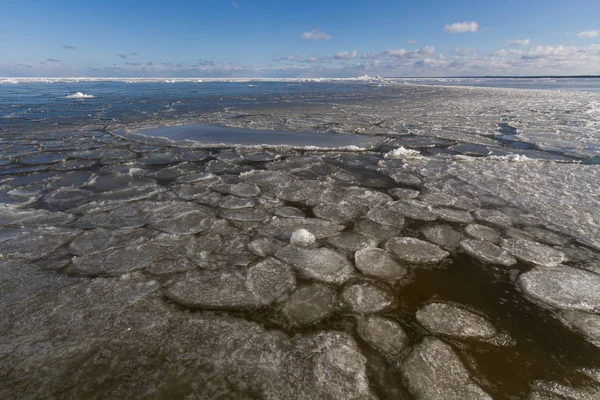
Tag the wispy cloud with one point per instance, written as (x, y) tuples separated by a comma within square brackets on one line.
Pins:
[(588, 34), (464, 52), (291, 57), (462, 27), (411, 41), (373, 56), (123, 56), (345, 55), (316, 34), (150, 63), (133, 54), (518, 42), (68, 47), (235, 4), (54, 60), (203, 63), (133, 64), (317, 60), (403, 53)]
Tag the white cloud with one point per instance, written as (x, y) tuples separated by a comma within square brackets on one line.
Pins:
[(398, 53), (411, 41), (588, 34), (345, 55), (372, 56), (315, 34), (426, 51), (518, 42), (504, 53), (235, 4), (461, 27), (547, 51)]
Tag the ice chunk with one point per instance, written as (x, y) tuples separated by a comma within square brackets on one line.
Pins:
[(115, 261), (284, 227), (493, 217), (386, 216), (541, 390), (483, 232), (289, 212), (452, 320), (376, 230), (33, 217), (401, 193), (487, 252), (341, 213), (181, 218), (363, 196), (320, 264), (265, 247), (433, 371), (533, 252), (379, 263), (64, 199), (225, 288), (415, 251), (236, 203), (453, 215), (303, 238), (367, 298), (32, 244), (585, 323), (562, 287), (548, 237), (352, 242), (383, 334), (244, 190), (444, 236), (310, 304), (269, 280), (190, 192), (100, 239), (246, 215), (413, 209)]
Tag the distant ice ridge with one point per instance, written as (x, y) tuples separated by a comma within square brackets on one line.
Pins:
[(79, 95), (364, 78)]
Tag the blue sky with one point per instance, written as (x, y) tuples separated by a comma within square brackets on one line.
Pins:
[(262, 38)]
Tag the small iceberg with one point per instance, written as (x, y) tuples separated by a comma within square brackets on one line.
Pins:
[(79, 95)]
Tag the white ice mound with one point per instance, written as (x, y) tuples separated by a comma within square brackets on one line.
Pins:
[(401, 152), (302, 237), (512, 158), (79, 95)]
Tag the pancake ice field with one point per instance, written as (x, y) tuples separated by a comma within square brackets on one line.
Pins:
[(298, 240)]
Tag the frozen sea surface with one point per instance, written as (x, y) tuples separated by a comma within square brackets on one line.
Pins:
[(298, 239)]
